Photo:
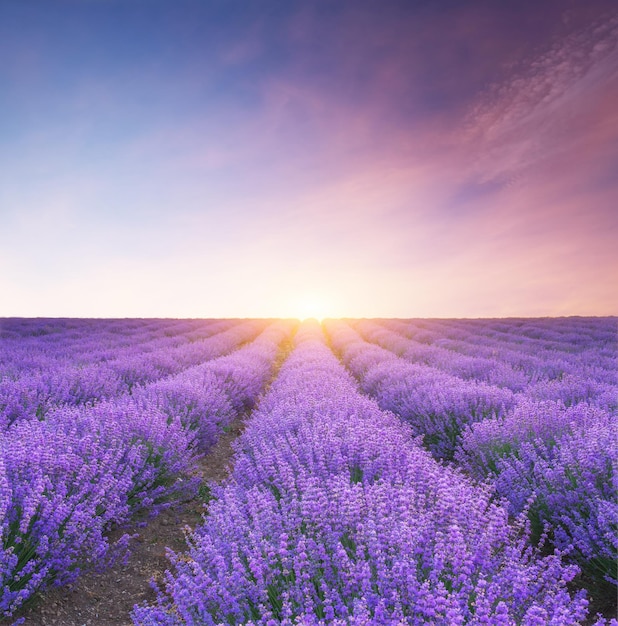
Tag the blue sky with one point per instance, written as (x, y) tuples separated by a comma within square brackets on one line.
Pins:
[(240, 159)]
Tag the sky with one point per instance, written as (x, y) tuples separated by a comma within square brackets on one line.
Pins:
[(262, 158)]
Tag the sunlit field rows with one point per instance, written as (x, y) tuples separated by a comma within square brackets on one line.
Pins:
[(389, 471)]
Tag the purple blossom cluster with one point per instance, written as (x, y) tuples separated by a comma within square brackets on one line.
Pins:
[(560, 463), (334, 514), (435, 403), (65, 480)]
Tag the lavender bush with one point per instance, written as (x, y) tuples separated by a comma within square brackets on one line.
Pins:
[(564, 458)]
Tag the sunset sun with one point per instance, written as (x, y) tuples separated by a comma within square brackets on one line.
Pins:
[(310, 305)]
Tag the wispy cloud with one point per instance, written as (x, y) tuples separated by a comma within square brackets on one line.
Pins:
[(563, 100)]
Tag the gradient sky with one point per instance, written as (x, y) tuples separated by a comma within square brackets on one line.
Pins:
[(339, 158)]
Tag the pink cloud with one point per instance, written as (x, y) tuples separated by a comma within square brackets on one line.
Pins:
[(559, 102)]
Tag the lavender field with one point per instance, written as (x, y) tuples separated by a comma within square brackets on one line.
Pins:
[(390, 471)]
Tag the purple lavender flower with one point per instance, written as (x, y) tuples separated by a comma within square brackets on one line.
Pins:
[(564, 458)]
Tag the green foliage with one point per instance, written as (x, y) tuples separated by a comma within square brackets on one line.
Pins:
[(349, 545), (356, 474), (204, 493)]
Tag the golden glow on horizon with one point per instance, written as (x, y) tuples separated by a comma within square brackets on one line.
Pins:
[(310, 305)]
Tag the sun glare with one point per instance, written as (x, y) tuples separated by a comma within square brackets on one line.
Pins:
[(310, 306)]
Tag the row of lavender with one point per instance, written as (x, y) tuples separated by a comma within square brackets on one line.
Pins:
[(69, 478), (31, 344), (541, 424), (570, 371), (38, 374), (334, 514), (570, 334)]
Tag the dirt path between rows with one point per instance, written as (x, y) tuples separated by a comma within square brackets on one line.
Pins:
[(107, 598)]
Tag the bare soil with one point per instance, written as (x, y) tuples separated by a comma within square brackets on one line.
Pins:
[(107, 598), (603, 601)]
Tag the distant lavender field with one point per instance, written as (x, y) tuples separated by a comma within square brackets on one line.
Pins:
[(390, 472)]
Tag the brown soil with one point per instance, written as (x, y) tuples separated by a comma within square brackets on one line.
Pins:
[(603, 601), (107, 598)]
